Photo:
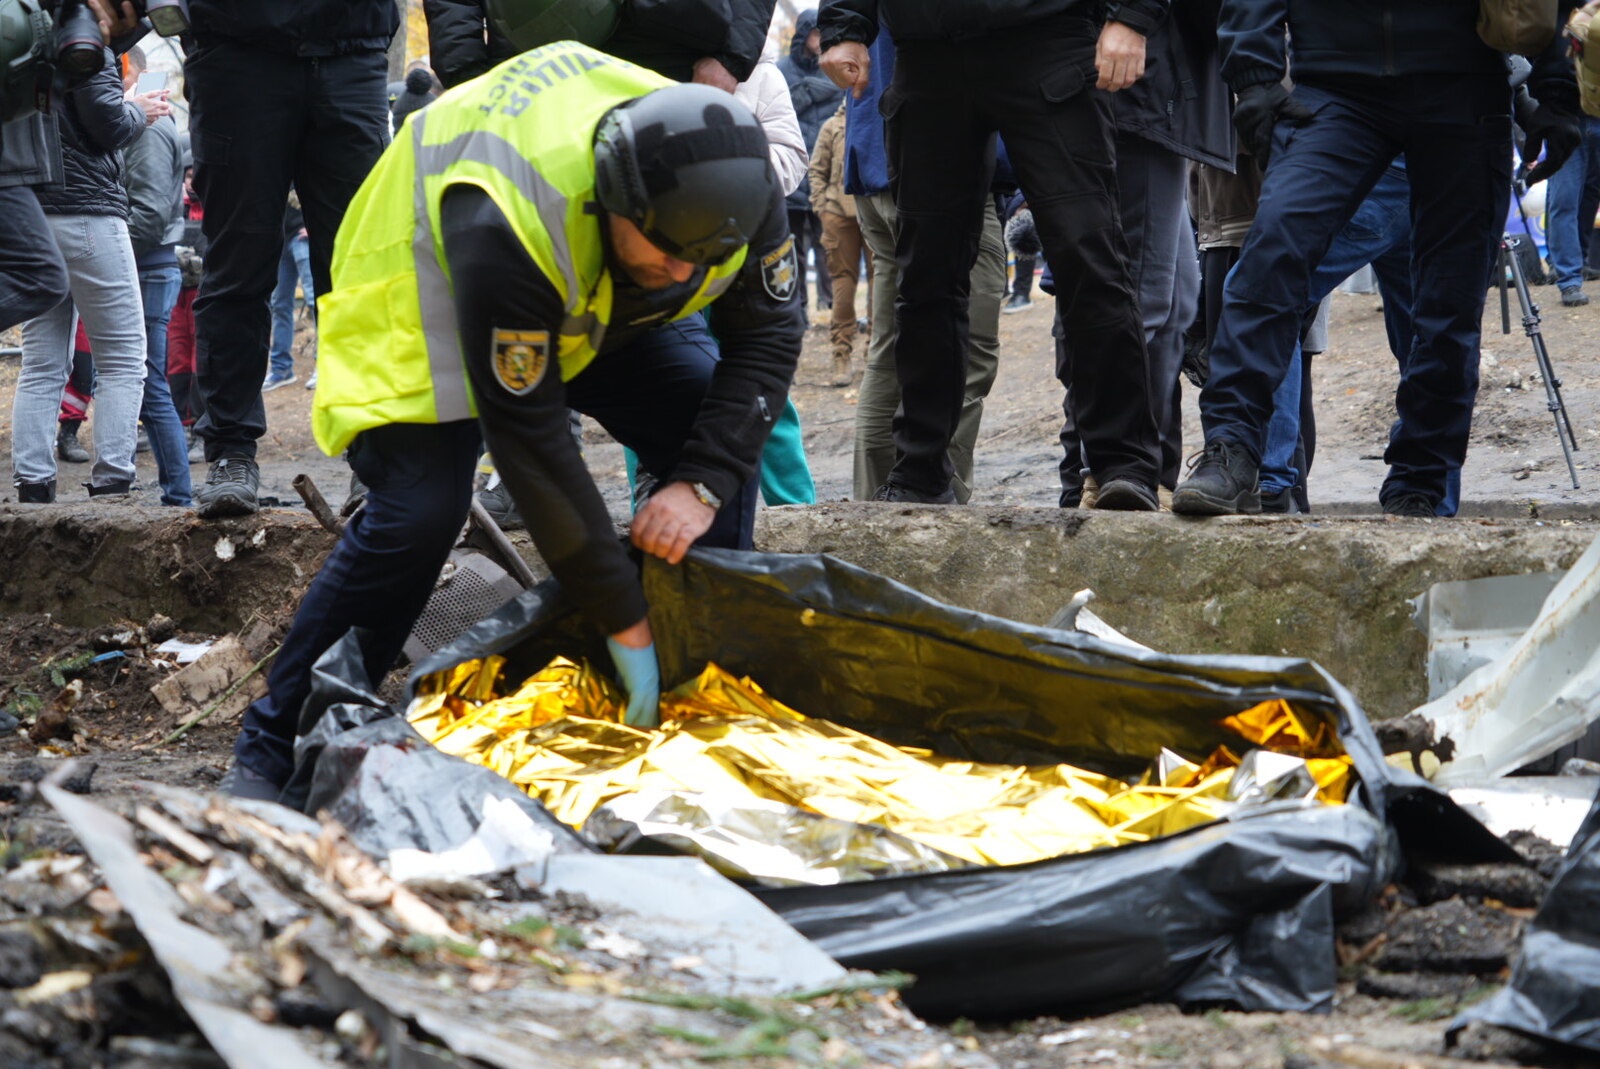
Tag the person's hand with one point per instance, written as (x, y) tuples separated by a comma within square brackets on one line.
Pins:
[(668, 524), (114, 20), (1557, 134), (708, 70), (1259, 109), (848, 63), (154, 105), (640, 675), (1118, 57)]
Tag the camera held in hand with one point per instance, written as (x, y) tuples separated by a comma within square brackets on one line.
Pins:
[(78, 44), (43, 39)]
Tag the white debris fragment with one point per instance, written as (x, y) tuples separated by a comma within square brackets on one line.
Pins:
[(226, 549), (184, 652), (1071, 1035)]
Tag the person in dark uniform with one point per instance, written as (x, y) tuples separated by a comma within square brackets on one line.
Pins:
[(1372, 80), (967, 69), (578, 253), (280, 95)]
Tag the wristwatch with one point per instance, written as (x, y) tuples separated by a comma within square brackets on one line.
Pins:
[(703, 492)]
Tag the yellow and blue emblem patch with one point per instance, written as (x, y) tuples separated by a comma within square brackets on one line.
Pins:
[(521, 358), (780, 272)]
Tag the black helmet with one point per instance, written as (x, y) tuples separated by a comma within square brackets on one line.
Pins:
[(688, 166)]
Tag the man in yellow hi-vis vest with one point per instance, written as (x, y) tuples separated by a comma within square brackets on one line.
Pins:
[(541, 238)]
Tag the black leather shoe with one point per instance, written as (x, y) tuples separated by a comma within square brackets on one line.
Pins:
[(36, 493), (1282, 503), (1127, 495), (242, 782), (1410, 504), (906, 495), (1222, 482)]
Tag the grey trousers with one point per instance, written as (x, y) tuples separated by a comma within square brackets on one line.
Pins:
[(104, 290), (1152, 188), (880, 389)]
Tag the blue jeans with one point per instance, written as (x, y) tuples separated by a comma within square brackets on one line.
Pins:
[(1566, 230), (294, 265), (1455, 132), (159, 286), (1378, 234)]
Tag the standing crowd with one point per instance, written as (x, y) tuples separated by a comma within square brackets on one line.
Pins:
[(544, 231)]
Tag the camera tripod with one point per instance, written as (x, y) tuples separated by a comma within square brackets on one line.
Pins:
[(1541, 354)]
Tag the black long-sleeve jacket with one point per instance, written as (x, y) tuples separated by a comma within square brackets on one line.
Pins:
[(1375, 38), (298, 27), (95, 123), (666, 36), (913, 20), (758, 324)]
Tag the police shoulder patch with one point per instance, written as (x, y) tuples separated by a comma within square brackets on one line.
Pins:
[(521, 358), (780, 273)]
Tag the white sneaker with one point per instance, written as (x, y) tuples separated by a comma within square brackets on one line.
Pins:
[(311, 383)]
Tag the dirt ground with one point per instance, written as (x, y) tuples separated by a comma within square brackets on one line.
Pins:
[(1514, 457), (1515, 460)]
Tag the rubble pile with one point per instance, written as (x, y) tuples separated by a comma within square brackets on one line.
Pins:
[(287, 944)]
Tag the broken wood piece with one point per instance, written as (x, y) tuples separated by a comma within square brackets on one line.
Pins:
[(263, 844), (223, 681), (1366, 1057), (307, 489), (196, 848)]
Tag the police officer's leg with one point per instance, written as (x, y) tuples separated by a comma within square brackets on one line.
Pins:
[(1458, 153), (647, 395), (378, 577)]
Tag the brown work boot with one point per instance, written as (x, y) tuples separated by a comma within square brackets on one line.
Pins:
[(843, 374), (1091, 493)]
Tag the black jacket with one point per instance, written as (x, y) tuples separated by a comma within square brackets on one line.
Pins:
[(299, 27), (154, 165), (666, 36), (912, 20), (814, 95), (498, 287), (457, 48), (1338, 39), (95, 123), (1181, 103)]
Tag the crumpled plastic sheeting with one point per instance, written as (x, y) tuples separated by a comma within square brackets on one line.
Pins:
[(725, 748), (1554, 991), (1237, 912)]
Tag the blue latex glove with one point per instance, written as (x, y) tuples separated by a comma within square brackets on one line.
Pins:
[(641, 678)]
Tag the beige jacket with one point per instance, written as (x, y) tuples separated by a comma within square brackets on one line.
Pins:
[(827, 169)]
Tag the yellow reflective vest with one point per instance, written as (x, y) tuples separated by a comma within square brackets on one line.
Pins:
[(387, 346)]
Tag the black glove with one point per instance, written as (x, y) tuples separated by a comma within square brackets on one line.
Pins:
[(1259, 109), (1554, 131)]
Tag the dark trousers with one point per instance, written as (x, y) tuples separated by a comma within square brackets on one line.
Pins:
[(262, 121), (1152, 184), (419, 479), (1034, 86), (33, 277), (1456, 134), (806, 228)]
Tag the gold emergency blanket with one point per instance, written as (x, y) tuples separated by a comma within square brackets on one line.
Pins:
[(724, 743)]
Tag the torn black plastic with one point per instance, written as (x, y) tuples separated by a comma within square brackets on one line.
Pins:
[(1238, 913), (1554, 991)]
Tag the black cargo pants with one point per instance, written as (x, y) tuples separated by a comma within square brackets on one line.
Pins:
[(1034, 85), (263, 121)]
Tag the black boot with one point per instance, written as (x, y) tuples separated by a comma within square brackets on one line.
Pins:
[(117, 488), (36, 493), (1223, 482), (68, 448)]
